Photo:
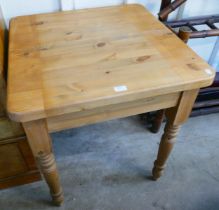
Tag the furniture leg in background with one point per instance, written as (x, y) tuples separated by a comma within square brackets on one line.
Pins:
[(157, 120), (184, 33), (207, 101)]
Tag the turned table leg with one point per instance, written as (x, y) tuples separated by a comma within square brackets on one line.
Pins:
[(175, 117), (41, 146), (166, 145)]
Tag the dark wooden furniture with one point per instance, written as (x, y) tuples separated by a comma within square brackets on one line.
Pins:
[(17, 164), (208, 98)]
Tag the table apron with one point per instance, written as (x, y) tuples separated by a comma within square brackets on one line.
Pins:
[(77, 119)]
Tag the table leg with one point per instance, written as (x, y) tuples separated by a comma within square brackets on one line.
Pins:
[(41, 146), (175, 117), (156, 123)]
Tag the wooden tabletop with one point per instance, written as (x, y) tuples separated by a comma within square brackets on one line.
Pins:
[(71, 61)]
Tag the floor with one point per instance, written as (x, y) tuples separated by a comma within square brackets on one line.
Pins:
[(107, 166)]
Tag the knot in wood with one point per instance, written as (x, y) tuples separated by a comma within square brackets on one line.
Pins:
[(101, 44)]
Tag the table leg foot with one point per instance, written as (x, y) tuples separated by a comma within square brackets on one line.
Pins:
[(48, 167), (157, 171)]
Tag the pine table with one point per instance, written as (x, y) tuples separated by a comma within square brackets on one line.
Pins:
[(73, 68)]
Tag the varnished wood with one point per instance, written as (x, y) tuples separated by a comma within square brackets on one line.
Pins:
[(184, 33), (12, 148), (17, 165), (10, 154), (204, 33), (87, 66), (170, 7), (156, 123), (111, 112), (206, 104), (20, 179), (163, 5), (72, 61), (9, 129), (48, 167), (2, 44), (175, 117), (2, 65), (199, 20), (166, 145), (41, 146), (187, 30), (210, 21)]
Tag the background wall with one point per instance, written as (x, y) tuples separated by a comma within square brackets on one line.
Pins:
[(12, 8), (203, 47)]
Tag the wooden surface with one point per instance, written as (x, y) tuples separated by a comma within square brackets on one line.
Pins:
[(176, 116), (20, 179), (12, 153), (10, 129), (17, 164), (74, 68), (2, 43), (111, 112), (72, 61), (188, 29), (41, 145), (2, 65)]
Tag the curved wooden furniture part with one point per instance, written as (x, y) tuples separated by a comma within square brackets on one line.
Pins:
[(167, 6), (191, 23), (17, 165), (75, 68), (166, 145), (40, 143), (207, 101)]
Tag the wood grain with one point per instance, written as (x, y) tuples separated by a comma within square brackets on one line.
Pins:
[(11, 155), (9, 129), (176, 116), (2, 43), (73, 68), (71, 61), (111, 112), (41, 146), (20, 179), (2, 65), (15, 157), (17, 165)]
